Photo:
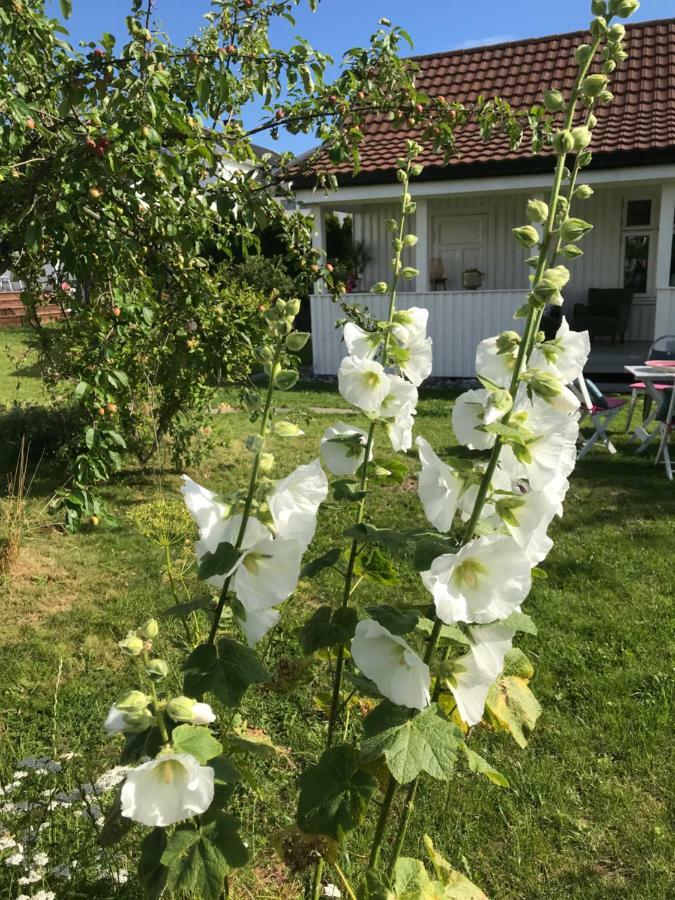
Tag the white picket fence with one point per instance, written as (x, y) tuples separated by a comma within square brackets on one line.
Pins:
[(458, 320)]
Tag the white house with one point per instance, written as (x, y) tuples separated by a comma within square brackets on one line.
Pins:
[(467, 208)]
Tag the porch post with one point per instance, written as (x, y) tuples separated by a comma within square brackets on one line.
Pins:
[(665, 298), (422, 247), (319, 241)]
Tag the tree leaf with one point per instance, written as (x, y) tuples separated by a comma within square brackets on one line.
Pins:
[(325, 561), (219, 563), (482, 766), (427, 742), (398, 621), (226, 671), (327, 628), (334, 793), (66, 8), (199, 859), (152, 873), (197, 741)]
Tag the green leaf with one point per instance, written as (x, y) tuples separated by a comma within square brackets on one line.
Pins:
[(327, 628), (325, 561), (347, 489), (390, 469), (482, 766), (371, 534), (115, 826), (375, 886), (199, 859), (397, 621), (219, 563), (226, 671), (152, 873), (451, 883), (427, 742), (66, 8), (89, 438), (225, 771), (334, 793), (182, 610), (196, 740), (412, 881)]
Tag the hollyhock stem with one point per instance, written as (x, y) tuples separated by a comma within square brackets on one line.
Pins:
[(253, 480), (156, 708)]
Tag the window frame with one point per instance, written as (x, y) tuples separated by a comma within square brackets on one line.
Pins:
[(649, 231)]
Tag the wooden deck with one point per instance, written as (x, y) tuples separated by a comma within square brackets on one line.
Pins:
[(13, 312)]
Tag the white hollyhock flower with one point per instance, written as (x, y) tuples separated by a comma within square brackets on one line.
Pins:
[(295, 501), (202, 505), (115, 721), (439, 487), (255, 623), (227, 531), (400, 432), (410, 325), (398, 409), (551, 445), (478, 669), (468, 414), (485, 580), (501, 481), (360, 343), (495, 366), (415, 360), (202, 714), (388, 660), (565, 356), (343, 457), (363, 383), (534, 515), (169, 789)]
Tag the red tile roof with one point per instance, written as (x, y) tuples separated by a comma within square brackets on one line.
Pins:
[(638, 127)]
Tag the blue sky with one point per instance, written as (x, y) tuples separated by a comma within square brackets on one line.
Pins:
[(339, 24)]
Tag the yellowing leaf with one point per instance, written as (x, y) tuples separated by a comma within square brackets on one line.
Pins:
[(513, 707)]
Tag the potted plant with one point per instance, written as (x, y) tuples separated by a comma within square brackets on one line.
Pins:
[(472, 279)]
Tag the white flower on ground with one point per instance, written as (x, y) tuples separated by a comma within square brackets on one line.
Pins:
[(565, 356), (360, 343), (202, 505), (415, 360), (388, 660), (479, 668), (410, 325), (485, 580), (363, 383), (343, 457), (439, 487), (495, 366), (295, 501), (468, 414), (169, 789), (551, 445), (398, 409)]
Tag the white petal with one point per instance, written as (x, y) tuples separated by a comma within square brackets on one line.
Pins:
[(388, 660), (169, 789), (439, 487), (268, 573), (114, 721), (468, 413), (257, 623), (417, 363), (202, 505), (202, 714), (295, 501), (496, 367), (400, 433), (411, 325), (359, 342), (571, 350), (227, 531), (363, 383), (341, 458)]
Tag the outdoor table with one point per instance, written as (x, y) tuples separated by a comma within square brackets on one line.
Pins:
[(663, 372)]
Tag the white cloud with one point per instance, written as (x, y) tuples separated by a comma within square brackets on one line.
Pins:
[(485, 41)]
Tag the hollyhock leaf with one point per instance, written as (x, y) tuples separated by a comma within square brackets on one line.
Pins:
[(227, 672), (115, 826), (520, 621), (327, 628), (427, 743), (390, 469), (513, 707), (398, 621), (334, 793), (451, 883), (375, 886), (225, 771), (199, 860), (200, 670), (447, 633), (218, 563), (183, 610), (347, 489), (145, 743), (375, 566), (196, 740), (365, 533), (325, 561), (412, 881), (152, 874), (428, 548), (516, 663), (259, 745), (481, 766)]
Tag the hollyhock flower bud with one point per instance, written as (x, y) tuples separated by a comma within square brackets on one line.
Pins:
[(553, 101), (582, 138), (184, 709), (132, 645), (573, 230), (527, 236), (537, 211), (583, 192), (623, 8), (149, 629), (157, 669), (594, 85), (563, 142), (166, 790)]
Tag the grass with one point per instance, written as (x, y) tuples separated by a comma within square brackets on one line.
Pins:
[(586, 813)]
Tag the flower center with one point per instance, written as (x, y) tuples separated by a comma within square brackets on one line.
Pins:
[(252, 561), (468, 572), (372, 380), (168, 771)]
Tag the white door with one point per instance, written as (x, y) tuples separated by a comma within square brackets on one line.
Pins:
[(460, 243)]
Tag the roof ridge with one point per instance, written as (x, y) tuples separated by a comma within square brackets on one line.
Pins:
[(526, 42)]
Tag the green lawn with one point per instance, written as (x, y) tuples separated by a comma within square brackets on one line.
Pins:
[(586, 813)]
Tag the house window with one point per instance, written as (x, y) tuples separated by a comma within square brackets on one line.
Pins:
[(637, 243)]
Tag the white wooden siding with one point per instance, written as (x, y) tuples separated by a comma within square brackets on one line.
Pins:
[(601, 265), (458, 320), (665, 312)]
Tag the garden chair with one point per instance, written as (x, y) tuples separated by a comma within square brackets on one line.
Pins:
[(665, 417), (662, 348), (606, 314), (600, 410)]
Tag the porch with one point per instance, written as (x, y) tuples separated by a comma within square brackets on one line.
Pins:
[(464, 225)]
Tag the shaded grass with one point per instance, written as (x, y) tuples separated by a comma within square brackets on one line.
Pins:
[(586, 814)]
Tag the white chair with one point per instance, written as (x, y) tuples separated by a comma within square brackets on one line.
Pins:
[(662, 348), (600, 410), (665, 419)]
